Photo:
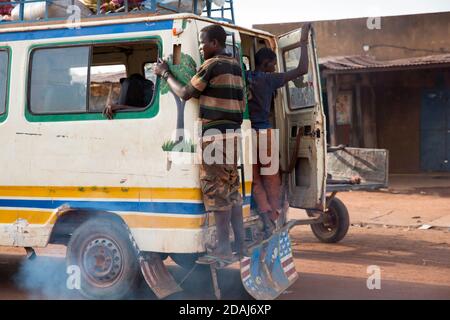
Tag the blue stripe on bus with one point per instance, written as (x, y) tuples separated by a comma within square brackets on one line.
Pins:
[(126, 206), (87, 31)]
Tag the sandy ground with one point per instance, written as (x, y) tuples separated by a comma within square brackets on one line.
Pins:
[(414, 264), (399, 209)]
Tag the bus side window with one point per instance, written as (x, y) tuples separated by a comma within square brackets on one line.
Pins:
[(120, 77), (300, 91), (3, 80), (59, 78), (85, 79)]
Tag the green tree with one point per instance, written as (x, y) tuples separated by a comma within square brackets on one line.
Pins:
[(184, 71)]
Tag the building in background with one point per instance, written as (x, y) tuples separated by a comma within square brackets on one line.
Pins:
[(386, 84)]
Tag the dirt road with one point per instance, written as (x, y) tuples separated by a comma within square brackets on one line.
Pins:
[(414, 264)]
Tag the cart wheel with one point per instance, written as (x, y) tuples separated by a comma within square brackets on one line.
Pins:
[(335, 225)]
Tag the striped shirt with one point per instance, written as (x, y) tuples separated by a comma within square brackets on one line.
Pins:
[(220, 89)]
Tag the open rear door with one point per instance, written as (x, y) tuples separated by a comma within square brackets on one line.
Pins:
[(303, 115)]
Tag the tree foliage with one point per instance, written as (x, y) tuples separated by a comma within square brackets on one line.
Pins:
[(183, 71)]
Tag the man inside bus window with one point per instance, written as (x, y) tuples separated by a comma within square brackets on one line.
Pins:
[(220, 89), (135, 92), (262, 86)]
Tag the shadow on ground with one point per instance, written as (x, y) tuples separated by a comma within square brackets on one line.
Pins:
[(382, 250)]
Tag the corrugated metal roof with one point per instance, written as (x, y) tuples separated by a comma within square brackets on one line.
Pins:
[(350, 63)]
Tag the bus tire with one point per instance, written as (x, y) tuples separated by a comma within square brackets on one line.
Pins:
[(109, 268), (336, 224)]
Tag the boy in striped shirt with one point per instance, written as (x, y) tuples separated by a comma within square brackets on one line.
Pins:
[(220, 89)]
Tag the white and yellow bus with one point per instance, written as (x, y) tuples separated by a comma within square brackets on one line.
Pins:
[(113, 190)]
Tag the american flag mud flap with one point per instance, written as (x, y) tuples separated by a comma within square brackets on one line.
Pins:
[(270, 269)]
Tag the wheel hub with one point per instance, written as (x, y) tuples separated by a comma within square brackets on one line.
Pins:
[(329, 219), (102, 261)]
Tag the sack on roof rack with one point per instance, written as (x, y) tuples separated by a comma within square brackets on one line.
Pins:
[(173, 6), (5, 10), (53, 9), (111, 5), (56, 9)]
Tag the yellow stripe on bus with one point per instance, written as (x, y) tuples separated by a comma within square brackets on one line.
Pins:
[(94, 192), (138, 221), (133, 220), (8, 216), (32, 217)]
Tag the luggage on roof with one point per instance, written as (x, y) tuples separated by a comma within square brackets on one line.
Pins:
[(22, 10)]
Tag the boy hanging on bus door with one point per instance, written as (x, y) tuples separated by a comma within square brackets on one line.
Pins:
[(263, 83), (220, 89)]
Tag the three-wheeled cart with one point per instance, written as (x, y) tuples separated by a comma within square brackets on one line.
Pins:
[(348, 169)]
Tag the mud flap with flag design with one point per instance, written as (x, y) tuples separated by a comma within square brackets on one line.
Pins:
[(270, 269)]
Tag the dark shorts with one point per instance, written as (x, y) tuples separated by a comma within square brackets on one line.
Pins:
[(219, 182)]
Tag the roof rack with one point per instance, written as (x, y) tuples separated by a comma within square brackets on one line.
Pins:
[(226, 11), (48, 10)]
